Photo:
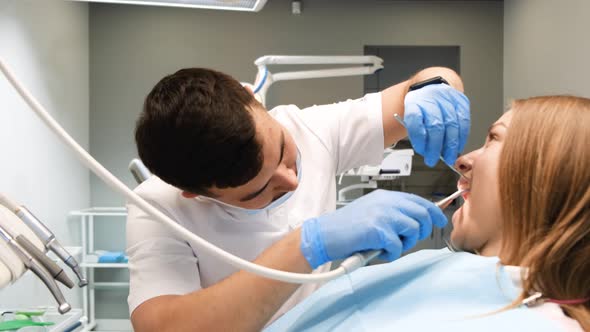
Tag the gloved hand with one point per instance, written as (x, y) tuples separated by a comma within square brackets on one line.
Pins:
[(388, 220), (437, 119)]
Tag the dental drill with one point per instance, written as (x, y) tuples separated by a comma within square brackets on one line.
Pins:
[(56, 272), (46, 236), (34, 266)]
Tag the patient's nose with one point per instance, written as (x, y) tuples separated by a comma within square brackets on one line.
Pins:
[(464, 163)]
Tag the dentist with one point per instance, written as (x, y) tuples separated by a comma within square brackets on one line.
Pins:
[(261, 185)]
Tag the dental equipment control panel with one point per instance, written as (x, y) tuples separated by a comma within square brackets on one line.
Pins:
[(395, 163)]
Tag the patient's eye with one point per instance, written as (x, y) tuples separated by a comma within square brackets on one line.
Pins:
[(492, 136)]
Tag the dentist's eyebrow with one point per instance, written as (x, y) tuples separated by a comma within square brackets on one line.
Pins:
[(256, 193)]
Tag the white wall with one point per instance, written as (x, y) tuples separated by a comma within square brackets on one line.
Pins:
[(546, 48), (46, 44)]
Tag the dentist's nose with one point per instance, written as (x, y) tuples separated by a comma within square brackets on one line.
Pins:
[(287, 179)]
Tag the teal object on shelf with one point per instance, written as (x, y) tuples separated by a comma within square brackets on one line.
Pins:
[(113, 257)]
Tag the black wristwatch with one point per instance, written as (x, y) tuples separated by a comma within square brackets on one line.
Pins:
[(434, 80)]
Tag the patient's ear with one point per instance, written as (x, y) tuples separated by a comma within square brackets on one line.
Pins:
[(186, 194)]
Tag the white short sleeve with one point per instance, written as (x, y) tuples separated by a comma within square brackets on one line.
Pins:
[(352, 131), (159, 263)]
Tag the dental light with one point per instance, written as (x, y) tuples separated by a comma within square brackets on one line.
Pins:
[(350, 264), (239, 5)]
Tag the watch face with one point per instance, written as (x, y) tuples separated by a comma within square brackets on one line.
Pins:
[(433, 80)]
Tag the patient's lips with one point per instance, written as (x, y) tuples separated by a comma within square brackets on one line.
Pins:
[(464, 184)]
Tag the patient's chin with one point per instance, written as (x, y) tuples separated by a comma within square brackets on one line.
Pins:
[(457, 239), (460, 235), (458, 221), (460, 242)]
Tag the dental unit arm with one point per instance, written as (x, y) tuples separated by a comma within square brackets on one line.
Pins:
[(264, 79)]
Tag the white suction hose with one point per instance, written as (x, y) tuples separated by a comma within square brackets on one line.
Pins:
[(347, 266)]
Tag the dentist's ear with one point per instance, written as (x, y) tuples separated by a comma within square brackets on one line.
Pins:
[(186, 194), (249, 87)]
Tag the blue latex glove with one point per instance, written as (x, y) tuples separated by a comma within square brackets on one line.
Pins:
[(437, 119), (388, 220)]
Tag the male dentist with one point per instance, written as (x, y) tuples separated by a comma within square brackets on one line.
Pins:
[(261, 185)]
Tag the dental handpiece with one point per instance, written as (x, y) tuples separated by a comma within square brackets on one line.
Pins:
[(32, 265), (45, 235), (362, 258), (56, 272)]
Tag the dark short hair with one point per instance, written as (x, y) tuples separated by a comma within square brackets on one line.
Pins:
[(196, 131)]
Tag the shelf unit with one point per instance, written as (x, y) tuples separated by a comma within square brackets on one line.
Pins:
[(89, 260)]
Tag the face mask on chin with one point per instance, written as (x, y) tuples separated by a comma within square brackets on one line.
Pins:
[(274, 204)]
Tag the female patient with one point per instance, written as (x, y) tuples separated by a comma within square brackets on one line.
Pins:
[(527, 218)]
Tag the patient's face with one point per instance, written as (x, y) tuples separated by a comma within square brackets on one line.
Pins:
[(477, 225)]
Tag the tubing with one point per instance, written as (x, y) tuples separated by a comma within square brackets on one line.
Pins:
[(114, 183)]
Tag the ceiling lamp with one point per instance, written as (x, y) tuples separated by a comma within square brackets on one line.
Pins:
[(240, 5)]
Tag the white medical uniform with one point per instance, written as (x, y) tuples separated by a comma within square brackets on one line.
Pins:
[(331, 139)]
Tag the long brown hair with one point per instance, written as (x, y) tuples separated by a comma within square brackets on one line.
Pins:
[(545, 199)]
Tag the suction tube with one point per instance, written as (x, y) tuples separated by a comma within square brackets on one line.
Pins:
[(350, 264)]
